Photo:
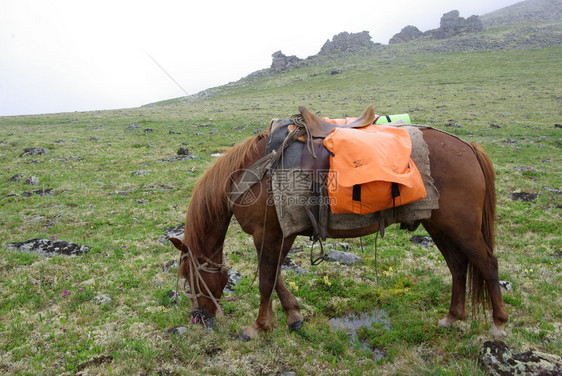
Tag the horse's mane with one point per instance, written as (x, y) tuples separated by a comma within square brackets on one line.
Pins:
[(209, 201)]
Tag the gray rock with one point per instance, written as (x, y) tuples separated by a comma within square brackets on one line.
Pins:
[(173, 296), (289, 264), (172, 232), (49, 248), (233, 278), (102, 299), (169, 266), (184, 151), (497, 359), (39, 192), (345, 258), (524, 196), (33, 151), (506, 286), (141, 173), (32, 180), (16, 178), (424, 241), (180, 330)]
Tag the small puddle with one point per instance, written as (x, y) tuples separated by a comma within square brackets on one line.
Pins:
[(351, 323)]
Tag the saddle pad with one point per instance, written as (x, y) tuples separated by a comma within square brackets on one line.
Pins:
[(365, 163)]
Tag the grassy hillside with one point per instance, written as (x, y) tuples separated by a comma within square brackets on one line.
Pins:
[(508, 101)]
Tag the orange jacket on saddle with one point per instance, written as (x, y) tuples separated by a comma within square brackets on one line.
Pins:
[(371, 169)]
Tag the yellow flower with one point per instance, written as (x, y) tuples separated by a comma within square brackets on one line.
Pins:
[(294, 286), (327, 281)]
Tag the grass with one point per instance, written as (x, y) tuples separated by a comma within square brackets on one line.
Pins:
[(507, 101)]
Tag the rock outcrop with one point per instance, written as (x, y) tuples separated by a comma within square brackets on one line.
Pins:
[(407, 34), (451, 25), (282, 63), (347, 42)]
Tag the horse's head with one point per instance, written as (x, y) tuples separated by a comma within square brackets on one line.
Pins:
[(206, 279)]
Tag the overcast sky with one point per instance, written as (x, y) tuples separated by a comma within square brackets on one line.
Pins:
[(59, 56)]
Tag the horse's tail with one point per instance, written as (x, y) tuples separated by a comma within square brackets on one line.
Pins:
[(478, 286)]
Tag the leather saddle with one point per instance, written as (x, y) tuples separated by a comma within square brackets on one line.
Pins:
[(320, 128)]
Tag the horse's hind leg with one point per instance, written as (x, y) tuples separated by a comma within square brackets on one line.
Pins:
[(458, 266), (458, 248)]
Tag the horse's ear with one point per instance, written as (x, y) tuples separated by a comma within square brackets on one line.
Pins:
[(178, 244)]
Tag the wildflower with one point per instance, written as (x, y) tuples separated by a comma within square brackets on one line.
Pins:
[(80, 289), (294, 286), (124, 246), (327, 281)]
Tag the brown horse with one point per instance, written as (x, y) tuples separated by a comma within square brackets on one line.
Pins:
[(463, 228)]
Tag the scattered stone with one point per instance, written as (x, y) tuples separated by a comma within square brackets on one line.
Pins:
[(216, 155), (172, 132), (345, 258), (39, 192), (289, 373), (170, 265), (345, 246), (33, 151), (172, 232), (173, 296), (233, 278), (134, 126), (553, 190), (49, 248), (557, 125), (497, 359), (526, 169), (103, 299), (94, 362), (51, 222), (289, 264), (336, 71), (184, 151), (213, 132), (178, 158), (148, 130), (32, 180), (506, 286), (524, 196), (180, 330), (141, 173), (16, 178), (451, 124), (142, 201), (424, 241)]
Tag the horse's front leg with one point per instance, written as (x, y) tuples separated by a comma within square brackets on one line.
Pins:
[(290, 305), (270, 258)]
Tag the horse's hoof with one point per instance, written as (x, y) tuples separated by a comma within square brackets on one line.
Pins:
[(295, 326), (497, 332), (244, 337), (210, 323), (446, 322)]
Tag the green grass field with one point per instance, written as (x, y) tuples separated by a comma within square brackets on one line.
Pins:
[(507, 101)]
